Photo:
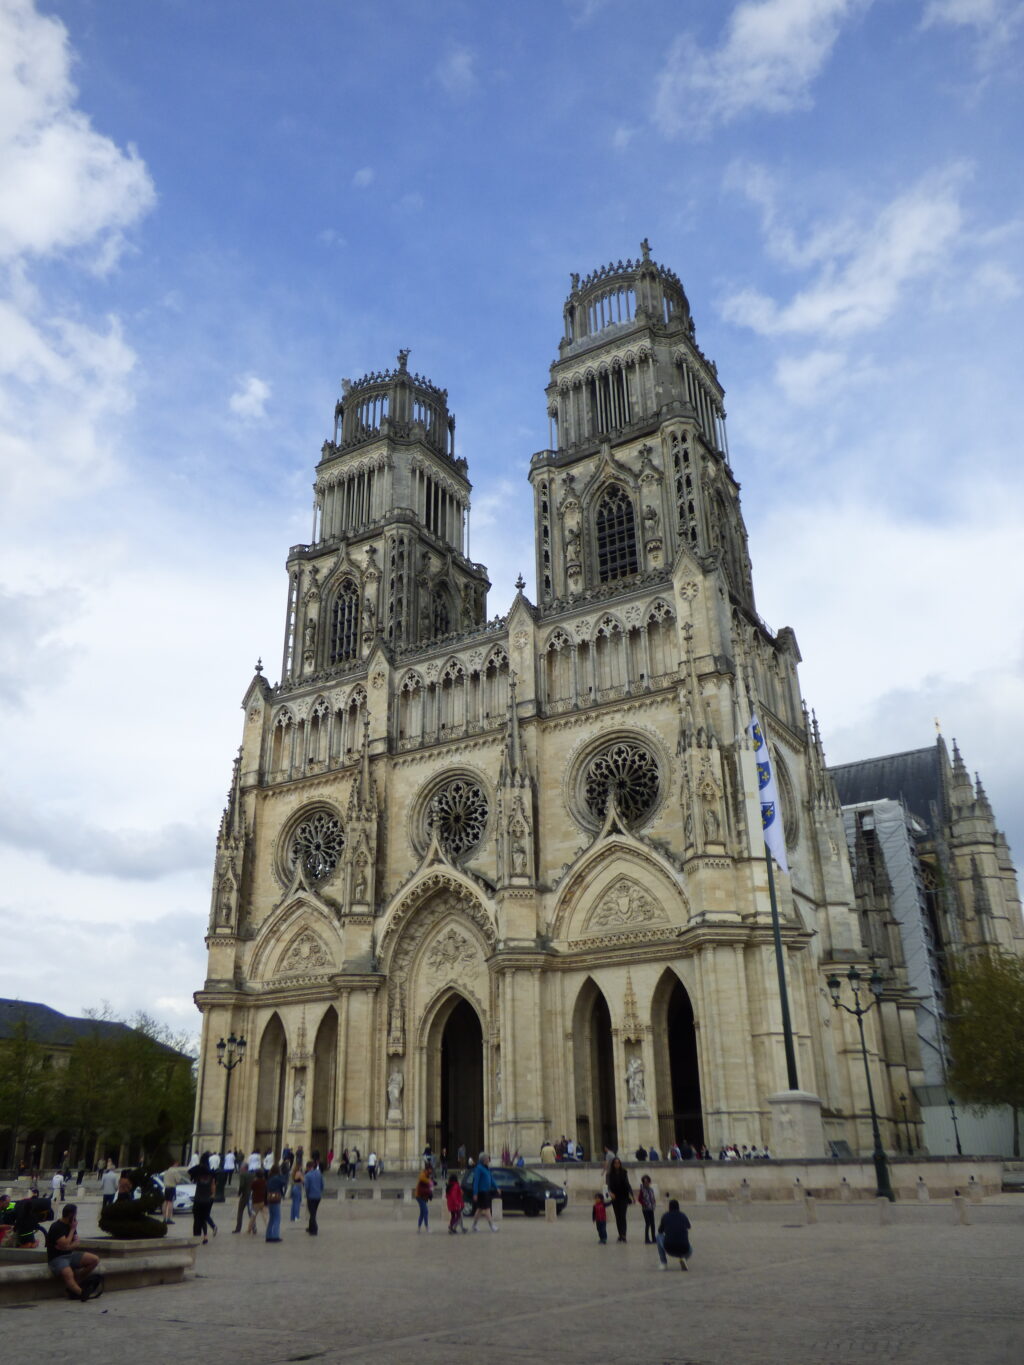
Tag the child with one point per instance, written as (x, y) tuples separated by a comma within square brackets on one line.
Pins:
[(647, 1202), (456, 1204), (599, 1213)]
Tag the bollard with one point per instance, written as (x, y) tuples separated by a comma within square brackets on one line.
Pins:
[(702, 1193), (884, 1211), (961, 1211), (550, 1211), (922, 1190), (745, 1191), (974, 1193), (496, 1208), (798, 1189), (810, 1209), (845, 1193)]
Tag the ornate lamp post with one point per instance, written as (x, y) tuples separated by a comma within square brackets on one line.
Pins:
[(858, 1011), (229, 1055), (906, 1125), (956, 1129)]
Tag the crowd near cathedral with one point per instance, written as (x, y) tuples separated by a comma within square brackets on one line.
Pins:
[(482, 881)]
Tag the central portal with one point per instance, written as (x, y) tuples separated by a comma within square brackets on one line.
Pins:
[(456, 1089)]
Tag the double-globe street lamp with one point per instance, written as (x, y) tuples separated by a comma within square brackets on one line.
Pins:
[(229, 1055), (876, 984)]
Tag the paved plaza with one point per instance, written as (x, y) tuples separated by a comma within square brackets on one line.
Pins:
[(763, 1288)]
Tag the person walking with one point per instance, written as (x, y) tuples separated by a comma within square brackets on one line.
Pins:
[(371, 1165), (57, 1188), (599, 1213), (456, 1204), (424, 1194), (674, 1236), (647, 1200), (484, 1186), (245, 1179), (202, 1203), (258, 1200), (314, 1184), (621, 1192), (296, 1193), (276, 1187)]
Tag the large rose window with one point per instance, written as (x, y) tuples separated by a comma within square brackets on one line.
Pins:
[(627, 770), (457, 812), (316, 845)]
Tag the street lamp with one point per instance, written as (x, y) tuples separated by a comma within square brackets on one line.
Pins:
[(906, 1125), (229, 1055), (956, 1130), (858, 1011)]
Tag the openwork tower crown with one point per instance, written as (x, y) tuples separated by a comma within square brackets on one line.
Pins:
[(394, 403)]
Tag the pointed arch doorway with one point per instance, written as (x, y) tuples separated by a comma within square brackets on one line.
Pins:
[(455, 1078), (273, 1062), (596, 1125), (680, 1114)]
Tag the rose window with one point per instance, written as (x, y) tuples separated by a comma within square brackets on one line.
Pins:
[(628, 771), (316, 845), (458, 812)]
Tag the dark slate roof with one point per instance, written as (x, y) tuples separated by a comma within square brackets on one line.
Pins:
[(50, 1026), (914, 778)]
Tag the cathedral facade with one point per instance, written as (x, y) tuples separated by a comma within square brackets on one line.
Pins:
[(484, 881)]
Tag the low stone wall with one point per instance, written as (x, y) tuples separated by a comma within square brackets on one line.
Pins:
[(125, 1264), (699, 1182)]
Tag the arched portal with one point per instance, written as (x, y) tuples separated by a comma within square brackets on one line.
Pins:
[(680, 1115), (325, 1054), (596, 1126), (455, 1078), (273, 1060)]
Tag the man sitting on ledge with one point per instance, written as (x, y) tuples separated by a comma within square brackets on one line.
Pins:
[(73, 1268)]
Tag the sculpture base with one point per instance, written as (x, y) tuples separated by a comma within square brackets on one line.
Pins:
[(796, 1125)]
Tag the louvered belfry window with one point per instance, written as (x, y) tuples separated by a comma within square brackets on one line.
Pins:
[(616, 535), (345, 623)]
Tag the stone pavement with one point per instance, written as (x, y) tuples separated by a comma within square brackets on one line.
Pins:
[(763, 1289)]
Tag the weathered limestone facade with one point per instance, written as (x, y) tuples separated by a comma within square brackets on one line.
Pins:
[(483, 882)]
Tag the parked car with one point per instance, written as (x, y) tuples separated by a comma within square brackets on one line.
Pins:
[(521, 1190)]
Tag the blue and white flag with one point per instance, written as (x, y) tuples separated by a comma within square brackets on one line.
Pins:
[(771, 808)]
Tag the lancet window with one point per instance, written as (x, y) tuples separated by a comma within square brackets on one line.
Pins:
[(345, 623), (615, 532)]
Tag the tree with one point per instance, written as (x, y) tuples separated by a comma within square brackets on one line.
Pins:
[(25, 1092), (986, 1032)]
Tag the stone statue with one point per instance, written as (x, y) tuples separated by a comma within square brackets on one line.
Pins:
[(299, 1106), (651, 520), (497, 1091), (396, 1083), (710, 825), (635, 1082), (518, 859), (309, 634)]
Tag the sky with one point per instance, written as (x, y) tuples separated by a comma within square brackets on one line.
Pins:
[(212, 213)]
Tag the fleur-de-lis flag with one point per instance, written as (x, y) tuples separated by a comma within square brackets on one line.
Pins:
[(771, 809)]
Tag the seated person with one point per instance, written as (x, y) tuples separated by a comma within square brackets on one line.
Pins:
[(673, 1236), (66, 1264)]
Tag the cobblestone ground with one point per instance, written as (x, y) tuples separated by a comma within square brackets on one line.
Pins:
[(763, 1289)]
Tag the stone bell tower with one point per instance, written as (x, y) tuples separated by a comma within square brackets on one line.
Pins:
[(387, 557)]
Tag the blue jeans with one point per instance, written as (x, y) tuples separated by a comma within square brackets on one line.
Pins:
[(296, 1201), (424, 1221), (274, 1222)]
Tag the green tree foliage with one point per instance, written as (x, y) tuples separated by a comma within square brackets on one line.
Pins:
[(986, 1032), (25, 1087)]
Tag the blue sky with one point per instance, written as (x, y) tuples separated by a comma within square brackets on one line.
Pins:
[(212, 213)]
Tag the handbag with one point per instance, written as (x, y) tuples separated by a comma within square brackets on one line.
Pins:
[(274, 1197)]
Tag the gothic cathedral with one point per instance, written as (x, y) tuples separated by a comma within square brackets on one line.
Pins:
[(481, 882)]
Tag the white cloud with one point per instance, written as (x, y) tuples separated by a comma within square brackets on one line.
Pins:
[(581, 12), (770, 55), (65, 186), (456, 72), (994, 24), (249, 401), (363, 178), (863, 270), (622, 137)]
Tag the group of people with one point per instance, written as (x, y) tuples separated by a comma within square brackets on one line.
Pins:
[(20, 1221), (484, 1186), (672, 1236)]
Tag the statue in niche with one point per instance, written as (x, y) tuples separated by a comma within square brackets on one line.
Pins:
[(572, 543), (309, 634), (710, 825), (688, 827), (497, 1091), (299, 1105), (360, 886), (369, 611), (396, 1083), (635, 1088), (518, 859), (466, 608)]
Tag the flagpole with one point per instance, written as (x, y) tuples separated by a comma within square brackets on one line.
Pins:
[(787, 1024)]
